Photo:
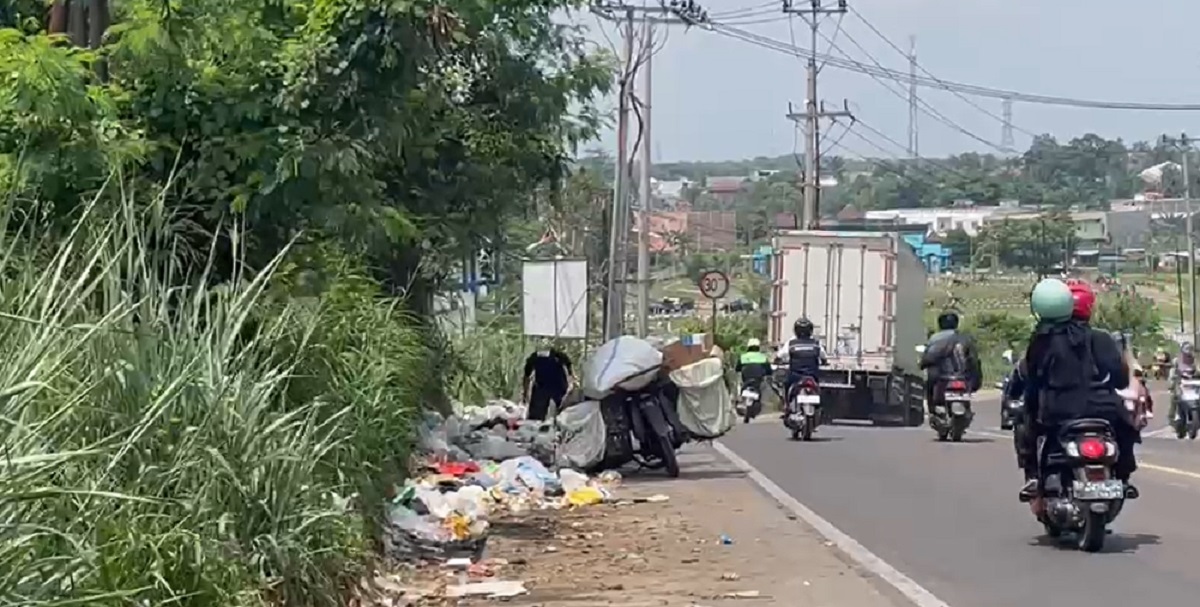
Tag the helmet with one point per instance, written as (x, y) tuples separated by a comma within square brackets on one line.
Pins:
[(1051, 300), (753, 343), (947, 320), (803, 328), (1186, 347), (1084, 299)]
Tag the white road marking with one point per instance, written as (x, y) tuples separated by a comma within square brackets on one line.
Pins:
[(856, 551)]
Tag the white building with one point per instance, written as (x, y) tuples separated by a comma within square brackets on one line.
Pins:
[(940, 221)]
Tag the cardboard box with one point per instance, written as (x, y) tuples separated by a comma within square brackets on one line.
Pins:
[(687, 350)]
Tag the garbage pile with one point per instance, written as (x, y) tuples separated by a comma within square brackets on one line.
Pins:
[(445, 513), (496, 431)]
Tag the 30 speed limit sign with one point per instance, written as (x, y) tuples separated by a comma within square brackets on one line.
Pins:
[(714, 284)]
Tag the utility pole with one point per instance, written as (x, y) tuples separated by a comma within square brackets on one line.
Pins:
[(675, 12), (643, 258), (813, 112), (1185, 146), (912, 97)]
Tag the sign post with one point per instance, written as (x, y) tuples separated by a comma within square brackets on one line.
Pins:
[(714, 285)]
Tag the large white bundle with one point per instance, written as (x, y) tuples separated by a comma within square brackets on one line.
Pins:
[(705, 407), (626, 362)]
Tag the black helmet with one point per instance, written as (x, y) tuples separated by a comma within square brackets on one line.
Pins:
[(947, 321), (803, 328)]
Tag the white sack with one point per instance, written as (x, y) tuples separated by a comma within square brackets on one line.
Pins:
[(705, 407), (626, 362)]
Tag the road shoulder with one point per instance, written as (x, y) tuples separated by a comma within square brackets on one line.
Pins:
[(717, 540)]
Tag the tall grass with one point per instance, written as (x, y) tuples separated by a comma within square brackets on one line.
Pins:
[(168, 443)]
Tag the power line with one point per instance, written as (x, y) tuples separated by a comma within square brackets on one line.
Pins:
[(925, 106), (969, 89), (1007, 121)]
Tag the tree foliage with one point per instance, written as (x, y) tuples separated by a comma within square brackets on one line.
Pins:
[(408, 131)]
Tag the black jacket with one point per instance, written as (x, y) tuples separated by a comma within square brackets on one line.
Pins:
[(950, 353), (1073, 372)]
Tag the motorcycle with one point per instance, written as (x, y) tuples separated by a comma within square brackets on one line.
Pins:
[(1187, 420), (802, 414), (654, 423), (953, 415), (749, 404), (1011, 409), (1137, 406), (1076, 482), (1160, 369)]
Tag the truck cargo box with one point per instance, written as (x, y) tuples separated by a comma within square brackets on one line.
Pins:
[(865, 294)]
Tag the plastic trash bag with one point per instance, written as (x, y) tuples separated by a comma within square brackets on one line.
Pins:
[(626, 362), (581, 436), (527, 474), (705, 407)]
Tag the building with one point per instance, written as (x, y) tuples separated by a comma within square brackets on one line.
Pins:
[(1095, 230), (934, 255), (724, 189), (940, 221), (703, 231)]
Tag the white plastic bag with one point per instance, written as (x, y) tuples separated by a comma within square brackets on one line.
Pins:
[(705, 407), (581, 435), (626, 362)]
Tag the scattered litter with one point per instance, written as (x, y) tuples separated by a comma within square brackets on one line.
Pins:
[(730, 577), (726, 540), (744, 594), (494, 590)]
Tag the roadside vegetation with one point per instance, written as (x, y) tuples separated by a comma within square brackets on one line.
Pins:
[(219, 271)]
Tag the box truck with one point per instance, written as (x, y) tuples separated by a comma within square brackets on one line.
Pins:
[(865, 294)]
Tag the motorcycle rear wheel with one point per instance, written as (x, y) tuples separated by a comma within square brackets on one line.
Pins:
[(1091, 537)]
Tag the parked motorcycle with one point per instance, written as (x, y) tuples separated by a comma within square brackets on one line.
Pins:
[(1187, 421), (802, 414), (1076, 480), (952, 416), (654, 423)]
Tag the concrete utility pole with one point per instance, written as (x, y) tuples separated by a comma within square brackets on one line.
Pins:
[(813, 113), (675, 12), (912, 97), (643, 258), (1185, 146)]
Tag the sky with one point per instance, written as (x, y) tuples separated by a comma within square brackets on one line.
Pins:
[(718, 98)]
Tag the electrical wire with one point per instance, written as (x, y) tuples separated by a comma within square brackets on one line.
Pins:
[(923, 105), (948, 85), (956, 93)]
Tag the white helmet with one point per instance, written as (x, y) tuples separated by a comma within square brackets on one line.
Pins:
[(753, 343)]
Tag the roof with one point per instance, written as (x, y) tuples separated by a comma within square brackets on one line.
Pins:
[(724, 185)]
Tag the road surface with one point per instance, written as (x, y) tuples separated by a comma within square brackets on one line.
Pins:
[(947, 515)]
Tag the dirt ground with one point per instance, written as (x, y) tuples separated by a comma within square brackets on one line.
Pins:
[(716, 541)]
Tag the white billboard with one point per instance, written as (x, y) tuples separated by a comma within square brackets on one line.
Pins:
[(554, 300)]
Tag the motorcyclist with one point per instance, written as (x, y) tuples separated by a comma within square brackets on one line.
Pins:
[(1137, 387), (1184, 367), (753, 366), (1073, 372), (803, 355), (949, 353)]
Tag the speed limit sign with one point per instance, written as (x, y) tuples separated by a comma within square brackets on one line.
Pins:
[(714, 284)]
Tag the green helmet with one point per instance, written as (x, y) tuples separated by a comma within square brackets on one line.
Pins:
[(1051, 300)]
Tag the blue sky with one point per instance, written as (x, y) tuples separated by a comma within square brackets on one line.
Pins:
[(717, 98)]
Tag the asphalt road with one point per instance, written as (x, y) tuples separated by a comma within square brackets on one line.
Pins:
[(947, 514)]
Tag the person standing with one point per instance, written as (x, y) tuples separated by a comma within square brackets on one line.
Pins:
[(548, 373)]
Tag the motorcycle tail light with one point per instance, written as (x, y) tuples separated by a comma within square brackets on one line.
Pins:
[(1092, 449), (809, 384), (957, 385)]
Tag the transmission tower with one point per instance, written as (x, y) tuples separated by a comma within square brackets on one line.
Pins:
[(1006, 134)]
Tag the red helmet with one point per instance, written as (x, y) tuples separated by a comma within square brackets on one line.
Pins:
[(1085, 299)]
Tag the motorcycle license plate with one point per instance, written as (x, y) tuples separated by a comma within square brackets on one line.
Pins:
[(1111, 489), (1016, 404), (810, 409), (1190, 395), (809, 399), (749, 394), (958, 408)]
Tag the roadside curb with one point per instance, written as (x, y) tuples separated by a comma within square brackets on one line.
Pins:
[(855, 551)]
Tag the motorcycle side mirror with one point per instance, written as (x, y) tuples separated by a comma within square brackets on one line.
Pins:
[(1008, 356), (920, 349)]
